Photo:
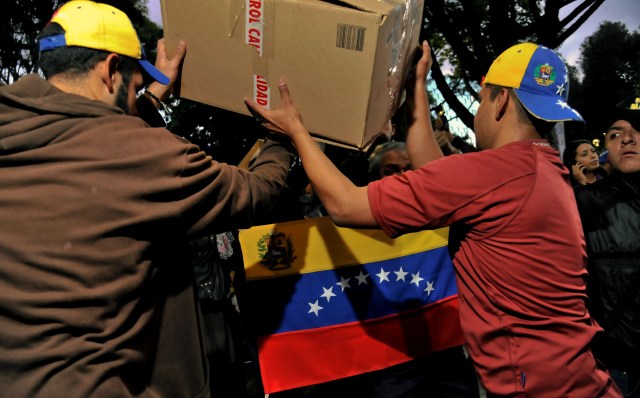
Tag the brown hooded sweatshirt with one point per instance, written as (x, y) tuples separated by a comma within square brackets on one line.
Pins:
[(96, 207)]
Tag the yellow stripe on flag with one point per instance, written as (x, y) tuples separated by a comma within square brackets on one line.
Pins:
[(316, 244)]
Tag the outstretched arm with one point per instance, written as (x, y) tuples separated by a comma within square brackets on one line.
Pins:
[(422, 146), (347, 204)]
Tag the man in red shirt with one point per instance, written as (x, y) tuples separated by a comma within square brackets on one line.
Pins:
[(515, 239)]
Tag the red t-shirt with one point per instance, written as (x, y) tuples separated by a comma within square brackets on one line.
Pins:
[(518, 250)]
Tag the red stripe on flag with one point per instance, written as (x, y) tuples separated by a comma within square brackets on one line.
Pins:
[(296, 359)]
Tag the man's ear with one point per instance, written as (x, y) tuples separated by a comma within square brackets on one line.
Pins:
[(501, 103), (108, 70)]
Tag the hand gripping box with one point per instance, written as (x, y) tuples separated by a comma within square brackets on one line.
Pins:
[(345, 61)]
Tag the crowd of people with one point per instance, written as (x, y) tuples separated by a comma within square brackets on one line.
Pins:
[(119, 260)]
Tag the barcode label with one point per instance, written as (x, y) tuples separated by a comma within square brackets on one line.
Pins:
[(350, 37)]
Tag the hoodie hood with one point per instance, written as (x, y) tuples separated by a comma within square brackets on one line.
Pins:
[(33, 112)]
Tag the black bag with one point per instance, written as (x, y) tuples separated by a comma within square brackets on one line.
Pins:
[(212, 277)]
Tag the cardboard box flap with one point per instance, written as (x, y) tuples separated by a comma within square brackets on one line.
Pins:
[(382, 7)]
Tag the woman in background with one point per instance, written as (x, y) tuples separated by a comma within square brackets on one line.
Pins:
[(581, 158)]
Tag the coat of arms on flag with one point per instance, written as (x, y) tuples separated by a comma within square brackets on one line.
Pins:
[(331, 302)]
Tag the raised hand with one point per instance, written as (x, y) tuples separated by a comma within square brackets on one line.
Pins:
[(578, 173), (421, 143), (286, 119), (424, 65), (418, 75), (169, 66)]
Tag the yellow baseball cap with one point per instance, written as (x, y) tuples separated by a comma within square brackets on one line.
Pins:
[(539, 78), (100, 27)]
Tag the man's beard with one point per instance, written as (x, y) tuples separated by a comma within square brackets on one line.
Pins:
[(122, 98)]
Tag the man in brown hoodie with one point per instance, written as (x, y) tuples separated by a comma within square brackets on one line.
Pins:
[(97, 207)]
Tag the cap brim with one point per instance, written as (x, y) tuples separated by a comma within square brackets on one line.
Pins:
[(153, 72), (550, 109)]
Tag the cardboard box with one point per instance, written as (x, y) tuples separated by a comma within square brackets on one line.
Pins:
[(345, 61)]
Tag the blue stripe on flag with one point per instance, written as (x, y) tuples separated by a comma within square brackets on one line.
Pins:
[(350, 294)]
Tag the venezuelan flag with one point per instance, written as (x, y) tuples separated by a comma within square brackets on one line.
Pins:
[(331, 302)]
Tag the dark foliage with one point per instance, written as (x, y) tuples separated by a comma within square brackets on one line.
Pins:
[(610, 63), (469, 34)]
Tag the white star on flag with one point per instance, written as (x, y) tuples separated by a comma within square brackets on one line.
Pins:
[(328, 293), (383, 275), (429, 288), (400, 274), (560, 90), (344, 283), (362, 278), (562, 104), (415, 278), (314, 308)]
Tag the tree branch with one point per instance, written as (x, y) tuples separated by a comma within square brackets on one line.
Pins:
[(449, 96)]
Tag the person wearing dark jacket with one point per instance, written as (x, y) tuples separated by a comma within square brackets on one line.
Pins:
[(610, 213), (97, 208)]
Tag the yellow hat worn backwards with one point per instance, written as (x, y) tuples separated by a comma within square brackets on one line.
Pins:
[(100, 27), (539, 78)]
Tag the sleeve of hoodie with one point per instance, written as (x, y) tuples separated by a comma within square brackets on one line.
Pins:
[(219, 197)]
